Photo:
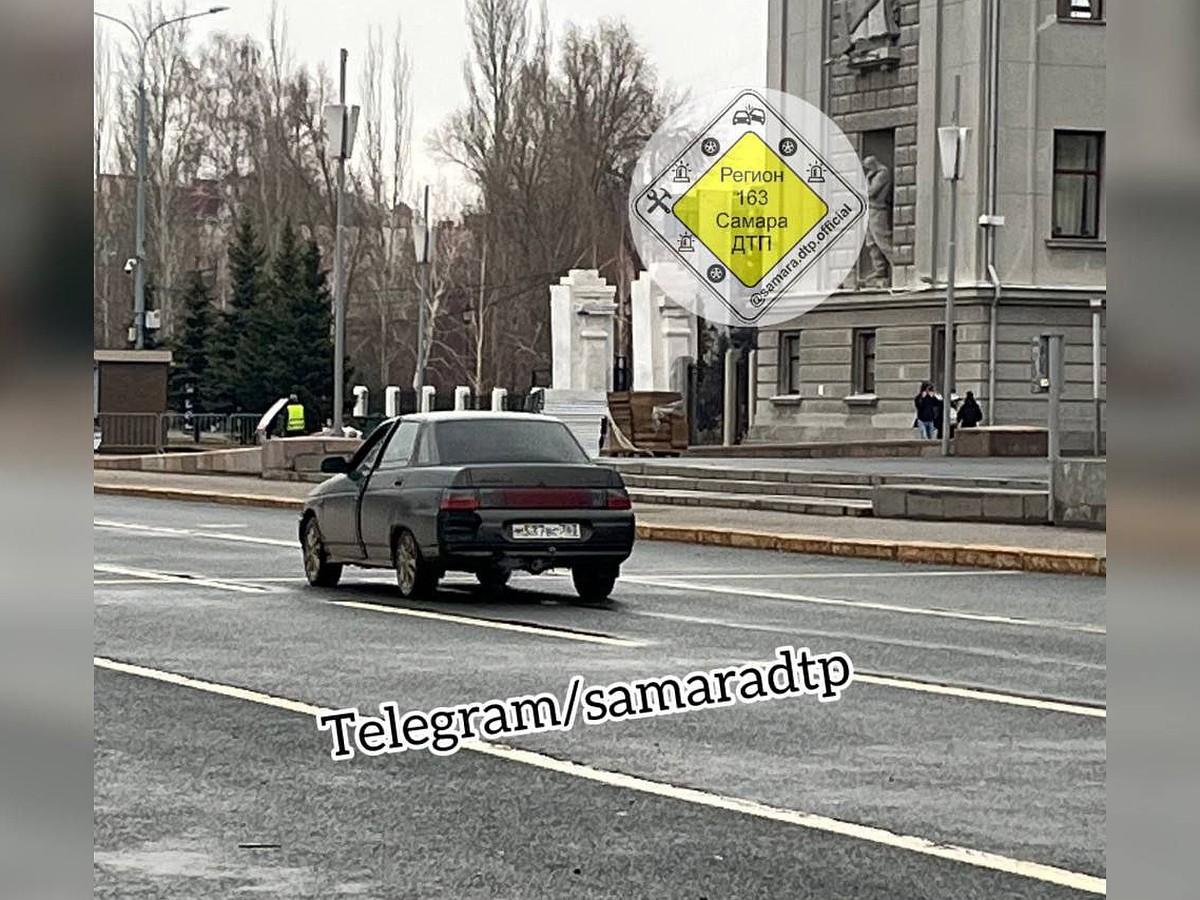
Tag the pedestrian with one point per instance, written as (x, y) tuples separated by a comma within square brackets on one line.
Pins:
[(929, 411), (969, 414), (294, 423)]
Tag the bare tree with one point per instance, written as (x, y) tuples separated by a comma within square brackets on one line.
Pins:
[(549, 140), (385, 292)]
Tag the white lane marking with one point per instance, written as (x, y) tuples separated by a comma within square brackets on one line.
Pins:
[(870, 639), (169, 578), (223, 525), (1074, 709), (866, 604), (951, 852), (185, 532), (547, 631), (678, 585), (818, 575)]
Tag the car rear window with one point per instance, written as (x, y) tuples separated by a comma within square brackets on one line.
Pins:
[(497, 441)]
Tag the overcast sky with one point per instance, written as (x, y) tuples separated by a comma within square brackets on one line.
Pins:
[(698, 44)]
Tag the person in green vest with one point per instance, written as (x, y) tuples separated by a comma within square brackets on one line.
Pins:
[(294, 425)]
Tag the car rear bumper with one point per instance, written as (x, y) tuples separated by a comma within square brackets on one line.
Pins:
[(484, 538)]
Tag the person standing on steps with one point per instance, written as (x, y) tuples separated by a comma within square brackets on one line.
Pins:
[(969, 414), (929, 411)]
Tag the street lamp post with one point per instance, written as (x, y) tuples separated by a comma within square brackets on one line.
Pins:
[(1097, 306), (139, 270), (952, 144), (341, 124), (423, 241)]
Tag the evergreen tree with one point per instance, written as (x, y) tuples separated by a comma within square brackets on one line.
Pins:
[(193, 347), (244, 331), (287, 365), (311, 319)]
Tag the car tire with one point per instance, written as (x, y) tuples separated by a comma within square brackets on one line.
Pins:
[(318, 570), (493, 579), (594, 582), (415, 577)]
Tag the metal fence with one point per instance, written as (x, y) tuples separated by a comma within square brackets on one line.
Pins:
[(131, 432), (162, 432)]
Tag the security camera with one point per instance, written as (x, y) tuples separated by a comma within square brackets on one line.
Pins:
[(130, 265)]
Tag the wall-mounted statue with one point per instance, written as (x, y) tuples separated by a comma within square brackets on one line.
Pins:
[(879, 222), (868, 31)]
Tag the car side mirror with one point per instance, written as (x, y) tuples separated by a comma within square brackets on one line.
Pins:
[(334, 465)]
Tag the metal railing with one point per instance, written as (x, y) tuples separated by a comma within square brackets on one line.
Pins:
[(131, 432), (161, 432)]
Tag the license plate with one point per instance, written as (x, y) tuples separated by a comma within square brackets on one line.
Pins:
[(545, 531)]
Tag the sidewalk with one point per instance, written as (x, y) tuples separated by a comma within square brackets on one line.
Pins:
[(1033, 548)]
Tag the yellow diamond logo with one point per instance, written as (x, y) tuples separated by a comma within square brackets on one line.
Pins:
[(750, 209)]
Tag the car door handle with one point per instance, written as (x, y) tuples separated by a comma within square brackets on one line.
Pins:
[(398, 482)]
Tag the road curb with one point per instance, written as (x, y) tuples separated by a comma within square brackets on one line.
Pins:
[(262, 501), (979, 556)]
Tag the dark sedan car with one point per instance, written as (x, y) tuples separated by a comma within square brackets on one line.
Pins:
[(471, 492)]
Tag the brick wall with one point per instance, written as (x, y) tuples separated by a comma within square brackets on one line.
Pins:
[(863, 100)]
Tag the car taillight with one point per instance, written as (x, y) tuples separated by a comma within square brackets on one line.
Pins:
[(618, 499), (459, 500)]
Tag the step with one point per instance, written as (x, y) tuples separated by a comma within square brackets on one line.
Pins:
[(731, 486), (960, 504), (716, 472), (813, 506)]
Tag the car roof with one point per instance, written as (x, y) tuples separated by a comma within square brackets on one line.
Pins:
[(476, 415)]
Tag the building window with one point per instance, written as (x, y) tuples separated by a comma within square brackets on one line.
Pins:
[(863, 381), (1081, 10), (1078, 156), (789, 363), (937, 355)]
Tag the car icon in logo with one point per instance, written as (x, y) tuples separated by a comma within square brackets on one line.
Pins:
[(749, 115)]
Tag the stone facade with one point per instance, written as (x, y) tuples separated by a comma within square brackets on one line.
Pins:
[(849, 369)]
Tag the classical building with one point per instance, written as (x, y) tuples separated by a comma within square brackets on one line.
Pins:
[(1032, 93)]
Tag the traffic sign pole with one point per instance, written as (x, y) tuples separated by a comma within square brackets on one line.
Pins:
[(1052, 442)]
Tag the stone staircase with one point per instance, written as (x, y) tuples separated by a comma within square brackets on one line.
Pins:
[(832, 493)]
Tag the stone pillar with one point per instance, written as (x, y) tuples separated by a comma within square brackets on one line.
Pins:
[(391, 401), (427, 393), (643, 329), (582, 308), (729, 406), (581, 331), (678, 340), (499, 398), (462, 393), (751, 388), (663, 332)]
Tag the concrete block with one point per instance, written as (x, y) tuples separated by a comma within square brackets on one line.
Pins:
[(962, 507), (888, 502), (1080, 492), (307, 462), (1036, 508), (1003, 508), (923, 505)]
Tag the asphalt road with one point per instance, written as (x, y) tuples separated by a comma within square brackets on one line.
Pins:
[(967, 760)]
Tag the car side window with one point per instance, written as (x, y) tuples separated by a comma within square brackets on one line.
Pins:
[(364, 458), (425, 454), (367, 463), (400, 447)]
